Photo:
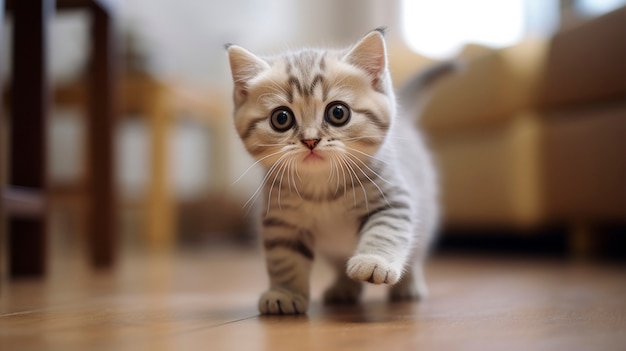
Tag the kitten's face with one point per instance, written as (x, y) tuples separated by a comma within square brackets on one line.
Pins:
[(313, 111)]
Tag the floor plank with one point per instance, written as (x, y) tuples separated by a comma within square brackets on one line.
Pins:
[(208, 299)]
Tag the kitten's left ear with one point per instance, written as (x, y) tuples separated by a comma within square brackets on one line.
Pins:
[(370, 55), (244, 66)]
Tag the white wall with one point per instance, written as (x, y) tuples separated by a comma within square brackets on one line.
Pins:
[(185, 37)]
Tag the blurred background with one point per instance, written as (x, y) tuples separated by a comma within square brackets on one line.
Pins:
[(117, 134)]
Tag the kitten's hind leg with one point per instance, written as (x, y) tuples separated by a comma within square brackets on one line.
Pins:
[(412, 286), (343, 290)]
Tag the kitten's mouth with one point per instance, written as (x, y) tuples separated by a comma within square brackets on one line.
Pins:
[(313, 156)]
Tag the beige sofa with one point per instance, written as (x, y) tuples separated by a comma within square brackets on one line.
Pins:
[(535, 134)]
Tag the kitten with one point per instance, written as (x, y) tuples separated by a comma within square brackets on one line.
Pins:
[(346, 177)]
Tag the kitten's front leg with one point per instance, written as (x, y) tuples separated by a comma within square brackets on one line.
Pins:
[(384, 246), (288, 257)]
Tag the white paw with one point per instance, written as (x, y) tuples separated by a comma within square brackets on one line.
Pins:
[(282, 302), (373, 269)]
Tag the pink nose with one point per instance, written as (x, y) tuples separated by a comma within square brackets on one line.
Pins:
[(310, 143)]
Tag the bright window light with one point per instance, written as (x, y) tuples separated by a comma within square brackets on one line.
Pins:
[(596, 7), (438, 29)]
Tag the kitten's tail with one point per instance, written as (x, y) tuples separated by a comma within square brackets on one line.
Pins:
[(415, 91)]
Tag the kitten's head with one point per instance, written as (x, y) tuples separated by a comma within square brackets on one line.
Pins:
[(313, 108)]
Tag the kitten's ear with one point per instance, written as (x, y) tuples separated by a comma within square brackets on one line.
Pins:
[(244, 66), (370, 55)]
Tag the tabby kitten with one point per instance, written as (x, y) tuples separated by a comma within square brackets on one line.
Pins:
[(346, 177)]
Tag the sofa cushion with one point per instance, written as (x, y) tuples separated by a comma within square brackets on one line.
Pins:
[(490, 88), (587, 63)]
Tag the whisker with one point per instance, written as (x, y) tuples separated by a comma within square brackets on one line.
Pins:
[(263, 182), (283, 144), (368, 167), (269, 195), (295, 185), (334, 167), (255, 163), (345, 181), (289, 174), (352, 172), (343, 172), (282, 176), (378, 136), (370, 179), (330, 173), (297, 174), (367, 155)]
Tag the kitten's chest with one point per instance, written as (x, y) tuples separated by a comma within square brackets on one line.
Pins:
[(328, 211), (335, 228)]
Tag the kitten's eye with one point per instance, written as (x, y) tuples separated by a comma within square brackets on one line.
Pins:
[(337, 114), (282, 119)]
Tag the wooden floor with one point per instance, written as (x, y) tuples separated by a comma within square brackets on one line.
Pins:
[(206, 300)]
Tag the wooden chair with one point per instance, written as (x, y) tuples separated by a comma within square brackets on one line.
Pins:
[(24, 198), (162, 104)]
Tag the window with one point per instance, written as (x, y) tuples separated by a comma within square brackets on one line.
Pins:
[(597, 7), (438, 29)]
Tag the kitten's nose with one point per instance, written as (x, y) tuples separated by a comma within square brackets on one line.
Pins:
[(310, 143)]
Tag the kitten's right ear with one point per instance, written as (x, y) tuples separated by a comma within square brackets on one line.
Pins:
[(244, 66)]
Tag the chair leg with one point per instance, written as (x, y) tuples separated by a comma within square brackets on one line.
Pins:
[(28, 245), (29, 105), (102, 236), (3, 237)]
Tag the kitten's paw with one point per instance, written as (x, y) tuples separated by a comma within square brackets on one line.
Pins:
[(373, 269), (276, 301), (344, 292)]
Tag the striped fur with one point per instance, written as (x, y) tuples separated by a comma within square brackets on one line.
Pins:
[(364, 197)]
